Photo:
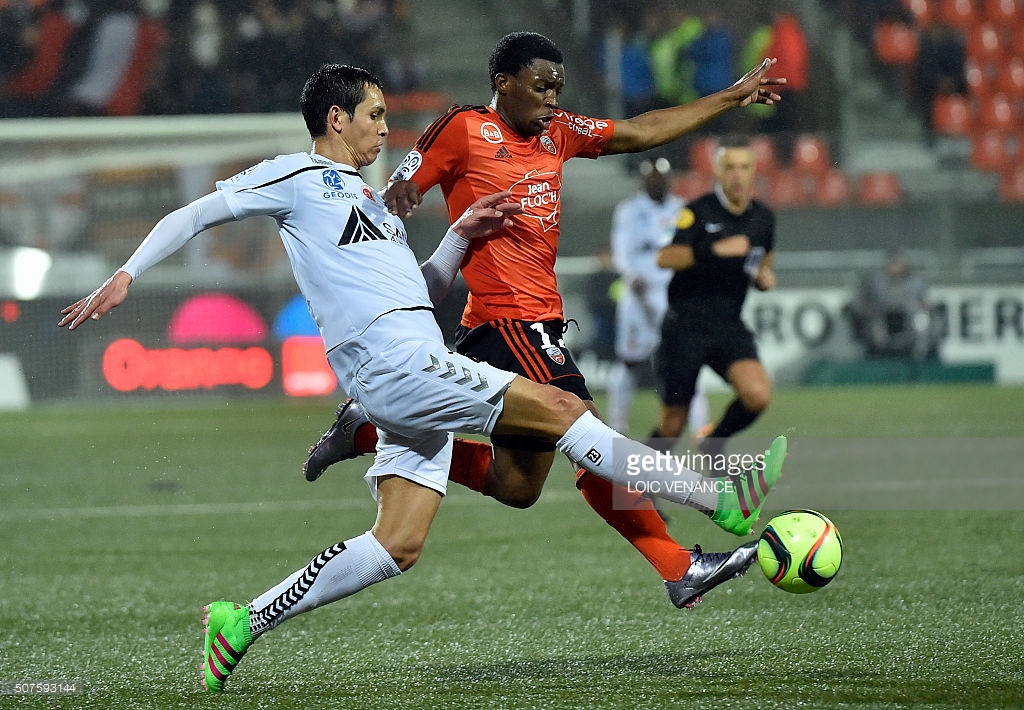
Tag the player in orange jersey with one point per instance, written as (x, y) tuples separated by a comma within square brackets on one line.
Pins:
[(513, 318)]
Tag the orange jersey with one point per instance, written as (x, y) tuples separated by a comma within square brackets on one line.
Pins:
[(470, 152)]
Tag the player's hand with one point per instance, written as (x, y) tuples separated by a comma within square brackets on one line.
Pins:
[(755, 85), (486, 216), (402, 197), (765, 280), (97, 304), (736, 245)]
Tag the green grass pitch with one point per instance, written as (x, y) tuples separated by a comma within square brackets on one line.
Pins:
[(118, 524)]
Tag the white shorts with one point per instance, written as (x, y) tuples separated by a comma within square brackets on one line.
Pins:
[(417, 392), (638, 324)]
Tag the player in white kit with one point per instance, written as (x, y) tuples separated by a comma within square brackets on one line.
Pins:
[(372, 304)]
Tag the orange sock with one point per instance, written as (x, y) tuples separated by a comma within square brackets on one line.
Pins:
[(365, 438), (470, 461), (636, 519)]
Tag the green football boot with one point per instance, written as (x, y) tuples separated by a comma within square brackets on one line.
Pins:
[(226, 639), (741, 503)]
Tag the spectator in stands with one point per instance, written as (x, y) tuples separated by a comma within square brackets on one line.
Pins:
[(122, 52), (940, 67), (35, 46), (713, 54), (788, 44), (673, 69), (891, 314)]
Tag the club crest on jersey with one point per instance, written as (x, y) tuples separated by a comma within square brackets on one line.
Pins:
[(333, 179), (491, 133), (555, 353), (548, 144), (369, 194)]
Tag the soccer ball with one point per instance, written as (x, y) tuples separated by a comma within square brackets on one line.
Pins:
[(800, 551)]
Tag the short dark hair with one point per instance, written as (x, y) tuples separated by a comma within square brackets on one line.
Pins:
[(341, 85), (516, 50)]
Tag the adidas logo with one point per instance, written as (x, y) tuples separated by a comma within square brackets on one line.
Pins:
[(502, 153)]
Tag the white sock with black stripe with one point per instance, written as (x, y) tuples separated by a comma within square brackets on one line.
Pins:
[(606, 453), (339, 571)]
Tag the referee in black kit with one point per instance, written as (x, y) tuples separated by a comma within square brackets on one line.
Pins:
[(723, 243)]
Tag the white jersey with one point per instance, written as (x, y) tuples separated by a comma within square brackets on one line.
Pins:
[(640, 228), (350, 256)]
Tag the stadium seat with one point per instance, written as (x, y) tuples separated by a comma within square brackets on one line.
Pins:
[(691, 184), (997, 113), (895, 43), (984, 44), (810, 155), (430, 102), (990, 151), (951, 115), (959, 13), (764, 154), (702, 155), (922, 10), (977, 77), (1011, 185), (879, 189), (1010, 77), (786, 188), (1003, 12), (1015, 42), (833, 188)]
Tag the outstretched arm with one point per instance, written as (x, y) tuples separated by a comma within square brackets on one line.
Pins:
[(485, 216), (169, 235), (661, 126)]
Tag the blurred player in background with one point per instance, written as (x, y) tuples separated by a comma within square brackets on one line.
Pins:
[(373, 306), (724, 243), (513, 318), (641, 225)]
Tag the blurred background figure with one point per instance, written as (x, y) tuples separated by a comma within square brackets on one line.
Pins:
[(891, 313), (641, 225)]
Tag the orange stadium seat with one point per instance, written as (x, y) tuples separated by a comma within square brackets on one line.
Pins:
[(951, 115), (984, 44), (833, 188), (895, 43), (977, 77), (691, 184), (810, 155), (1003, 12), (764, 154), (997, 113), (1010, 77), (922, 10), (879, 189), (990, 151), (788, 189), (702, 155), (959, 13), (1011, 185)]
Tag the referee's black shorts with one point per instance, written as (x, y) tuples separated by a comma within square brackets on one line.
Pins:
[(531, 349), (686, 346)]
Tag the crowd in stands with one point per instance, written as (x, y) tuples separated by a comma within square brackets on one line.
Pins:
[(961, 64), (673, 54), (125, 57)]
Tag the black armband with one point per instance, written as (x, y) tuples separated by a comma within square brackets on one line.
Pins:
[(702, 251)]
